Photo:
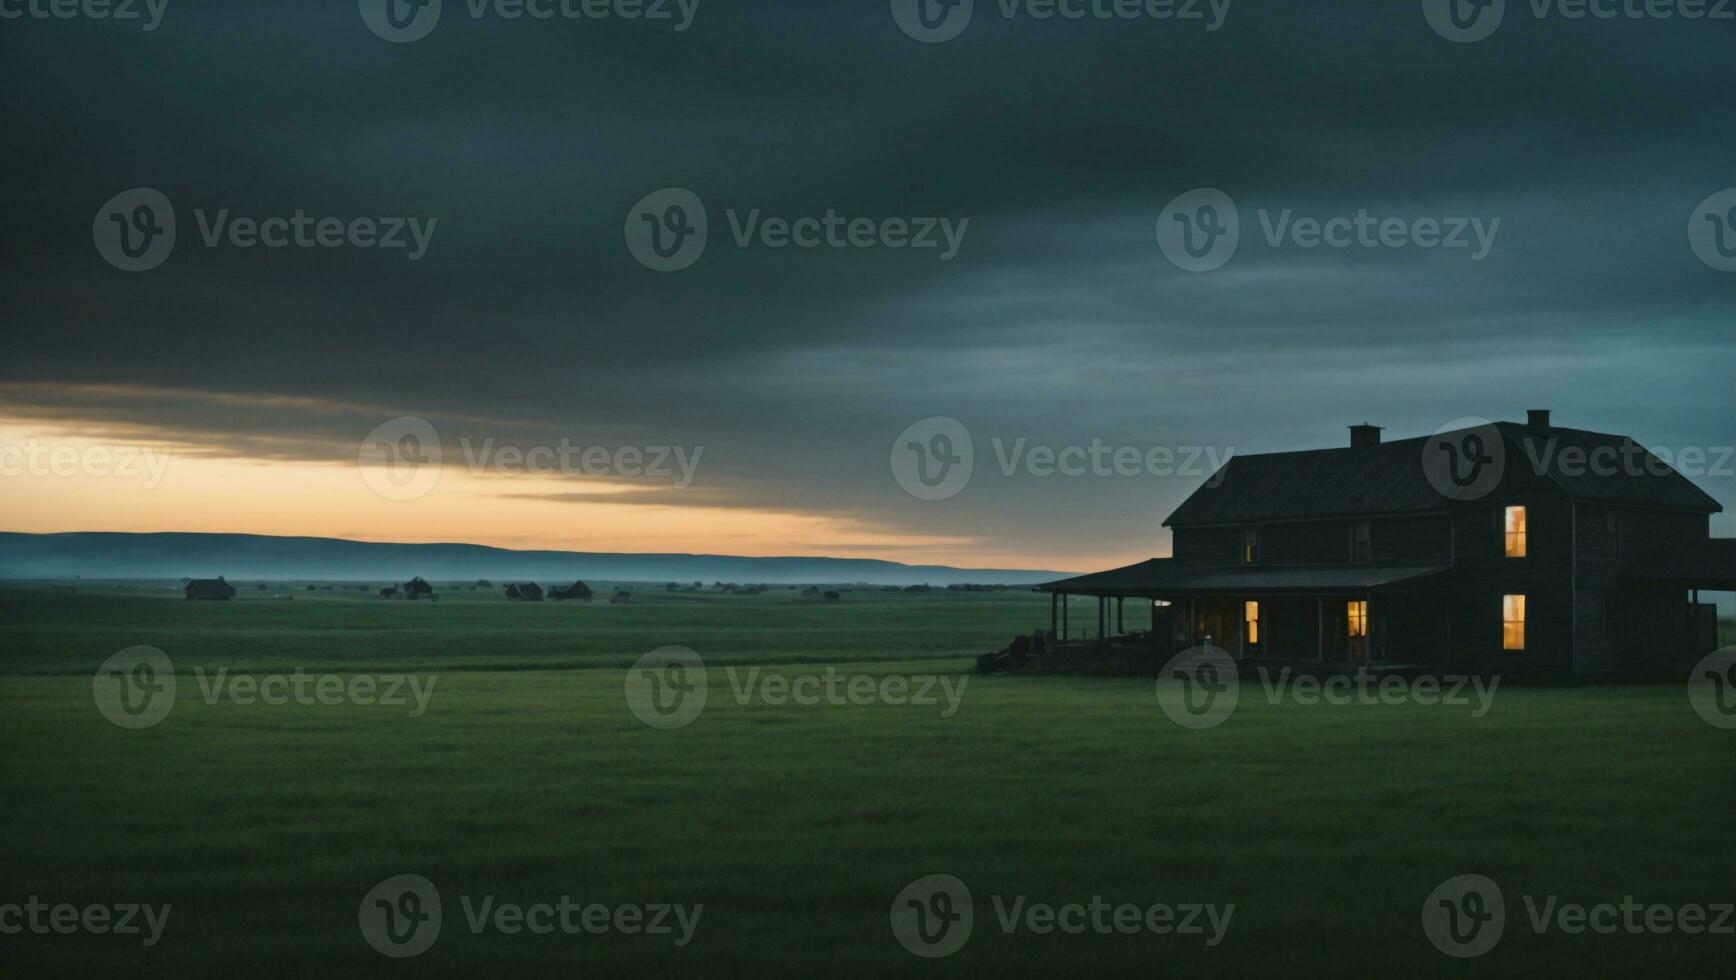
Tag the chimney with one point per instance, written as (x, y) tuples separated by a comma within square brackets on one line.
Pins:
[(1537, 418), (1364, 435)]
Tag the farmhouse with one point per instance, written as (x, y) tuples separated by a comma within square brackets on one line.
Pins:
[(1524, 548), (418, 588), (210, 589), (578, 590), (524, 592)]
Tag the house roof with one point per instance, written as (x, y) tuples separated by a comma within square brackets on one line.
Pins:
[(1170, 576), (1389, 478), (210, 586)]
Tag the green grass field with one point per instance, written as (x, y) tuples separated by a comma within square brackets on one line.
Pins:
[(794, 826)]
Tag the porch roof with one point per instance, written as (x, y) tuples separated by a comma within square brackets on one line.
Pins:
[(1708, 564), (1167, 576)]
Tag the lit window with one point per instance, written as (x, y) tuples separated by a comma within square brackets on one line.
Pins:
[(1361, 541), (1358, 612), (1251, 614), (1250, 545), (1515, 532), (1512, 622)]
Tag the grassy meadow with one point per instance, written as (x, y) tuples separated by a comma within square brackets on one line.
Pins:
[(528, 778)]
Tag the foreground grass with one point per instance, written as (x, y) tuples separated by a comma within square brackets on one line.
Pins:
[(795, 826)]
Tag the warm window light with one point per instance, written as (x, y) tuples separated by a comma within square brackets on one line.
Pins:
[(1512, 622), (1358, 612), (1515, 532), (1251, 614)]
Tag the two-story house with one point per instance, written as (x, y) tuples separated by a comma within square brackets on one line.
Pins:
[(1525, 548)]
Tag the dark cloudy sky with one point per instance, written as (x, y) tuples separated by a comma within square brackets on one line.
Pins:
[(1059, 321)]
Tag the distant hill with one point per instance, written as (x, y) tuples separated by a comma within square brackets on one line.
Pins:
[(102, 554)]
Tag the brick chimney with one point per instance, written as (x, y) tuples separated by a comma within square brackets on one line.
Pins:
[(1364, 435), (1537, 418)]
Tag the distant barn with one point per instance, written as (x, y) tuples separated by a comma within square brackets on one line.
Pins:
[(578, 590), (524, 592), (210, 588), (418, 588)]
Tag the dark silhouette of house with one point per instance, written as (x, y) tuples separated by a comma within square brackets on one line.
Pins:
[(418, 588), (524, 592), (209, 589), (1518, 548), (578, 590)]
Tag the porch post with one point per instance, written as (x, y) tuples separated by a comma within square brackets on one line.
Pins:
[(1320, 628), (1053, 614), (1120, 615), (1066, 600), (1368, 629), (1242, 628)]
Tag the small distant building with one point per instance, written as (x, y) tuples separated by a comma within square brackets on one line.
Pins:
[(621, 595), (210, 588), (524, 592), (389, 593), (578, 590), (418, 588), (830, 596)]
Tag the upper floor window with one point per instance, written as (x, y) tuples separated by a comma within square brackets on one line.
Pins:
[(1512, 622), (1515, 532), (1611, 536), (1250, 545), (1361, 541)]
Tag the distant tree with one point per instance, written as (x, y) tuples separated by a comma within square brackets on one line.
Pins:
[(698, 584), (262, 586), (483, 583), (670, 587), (313, 588)]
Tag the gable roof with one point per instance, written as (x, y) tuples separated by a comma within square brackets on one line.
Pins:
[(1389, 478), (210, 587)]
